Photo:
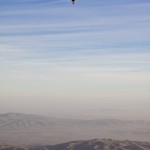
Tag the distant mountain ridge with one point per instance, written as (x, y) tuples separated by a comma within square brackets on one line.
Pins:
[(34, 129), (95, 144)]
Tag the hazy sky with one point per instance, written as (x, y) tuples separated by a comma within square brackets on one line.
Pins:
[(57, 57)]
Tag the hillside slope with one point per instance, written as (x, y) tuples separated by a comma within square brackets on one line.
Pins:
[(34, 129), (88, 145)]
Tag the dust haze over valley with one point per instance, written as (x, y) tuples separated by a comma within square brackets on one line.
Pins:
[(30, 129), (75, 73)]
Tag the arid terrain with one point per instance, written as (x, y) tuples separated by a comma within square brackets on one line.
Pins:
[(87, 145), (26, 129)]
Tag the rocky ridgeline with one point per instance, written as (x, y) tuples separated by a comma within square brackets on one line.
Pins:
[(88, 145)]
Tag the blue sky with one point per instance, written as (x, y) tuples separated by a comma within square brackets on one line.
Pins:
[(95, 52)]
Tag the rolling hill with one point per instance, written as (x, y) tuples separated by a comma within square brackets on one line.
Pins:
[(33, 129), (105, 144)]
